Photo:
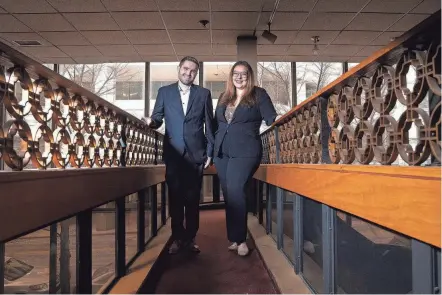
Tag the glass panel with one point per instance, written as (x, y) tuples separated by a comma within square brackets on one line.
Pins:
[(103, 245), (437, 272), (273, 229), (312, 76), (27, 261), (159, 206), (119, 83), (370, 259), (147, 215), (131, 226), (264, 204), (312, 245), (288, 229), (67, 252)]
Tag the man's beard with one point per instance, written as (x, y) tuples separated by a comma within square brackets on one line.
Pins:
[(186, 80)]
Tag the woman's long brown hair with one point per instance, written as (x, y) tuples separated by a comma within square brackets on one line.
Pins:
[(229, 95)]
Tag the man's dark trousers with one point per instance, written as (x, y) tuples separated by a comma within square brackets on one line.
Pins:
[(184, 181)]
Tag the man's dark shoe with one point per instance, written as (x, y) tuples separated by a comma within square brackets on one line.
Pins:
[(192, 246), (175, 247)]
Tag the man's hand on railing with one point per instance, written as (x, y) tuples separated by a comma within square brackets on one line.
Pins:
[(206, 165), (147, 120)]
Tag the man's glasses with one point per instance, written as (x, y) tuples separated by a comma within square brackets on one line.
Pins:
[(242, 75)]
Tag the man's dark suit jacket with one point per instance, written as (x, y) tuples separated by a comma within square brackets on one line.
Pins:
[(185, 132), (244, 138)]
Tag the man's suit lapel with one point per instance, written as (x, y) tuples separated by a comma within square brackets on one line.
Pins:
[(193, 91)]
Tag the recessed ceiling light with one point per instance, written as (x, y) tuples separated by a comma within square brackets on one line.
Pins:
[(28, 43)]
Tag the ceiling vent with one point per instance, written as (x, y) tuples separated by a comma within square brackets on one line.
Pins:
[(28, 43)]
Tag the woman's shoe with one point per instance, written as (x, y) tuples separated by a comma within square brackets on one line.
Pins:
[(243, 250), (233, 247)]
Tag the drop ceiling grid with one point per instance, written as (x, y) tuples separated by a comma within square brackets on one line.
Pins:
[(82, 25)]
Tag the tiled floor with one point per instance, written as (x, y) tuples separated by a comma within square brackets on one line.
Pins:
[(215, 269)]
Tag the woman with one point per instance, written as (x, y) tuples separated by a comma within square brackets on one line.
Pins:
[(238, 115)]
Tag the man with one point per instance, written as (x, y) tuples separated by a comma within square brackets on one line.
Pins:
[(187, 150)]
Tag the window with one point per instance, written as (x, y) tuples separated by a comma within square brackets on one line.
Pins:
[(156, 85), (129, 90)]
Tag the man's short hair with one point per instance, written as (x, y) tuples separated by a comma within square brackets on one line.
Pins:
[(189, 58)]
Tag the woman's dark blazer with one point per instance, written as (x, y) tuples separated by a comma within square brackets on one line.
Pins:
[(243, 130)]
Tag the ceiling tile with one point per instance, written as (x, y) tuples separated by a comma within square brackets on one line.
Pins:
[(407, 22), (272, 49), (356, 37), (300, 50), (325, 37), (188, 5), (339, 5), (367, 50), (78, 5), (45, 51), (8, 23), (92, 21), (285, 21), (81, 51), (236, 5), (190, 36), (24, 36), (45, 22), (193, 49), (25, 6), (57, 60), (130, 5), (124, 59), (139, 20), (373, 21), (65, 38), (89, 60), (185, 20), (106, 37), (428, 6), (218, 58), (227, 36), (290, 5), (162, 49), (385, 38), (159, 58), (327, 21), (338, 50), (284, 37), (391, 6), (234, 20), (223, 49), (117, 50), (148, 37)]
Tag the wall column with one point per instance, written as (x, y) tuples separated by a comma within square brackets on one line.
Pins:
[(247, 50)]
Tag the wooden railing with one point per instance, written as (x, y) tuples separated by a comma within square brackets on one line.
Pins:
[(52, 122)]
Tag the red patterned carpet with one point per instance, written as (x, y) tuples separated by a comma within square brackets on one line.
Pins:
[(215, 269)]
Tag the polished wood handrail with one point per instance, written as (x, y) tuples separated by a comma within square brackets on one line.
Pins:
[(403, 199), (31, 200)]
